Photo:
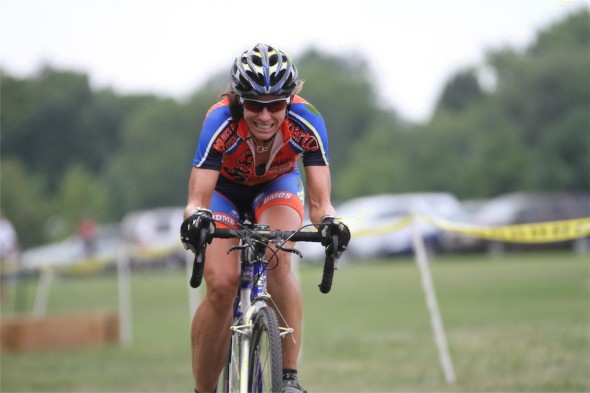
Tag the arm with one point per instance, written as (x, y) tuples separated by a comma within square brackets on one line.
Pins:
[(200, 189), (318, 183)]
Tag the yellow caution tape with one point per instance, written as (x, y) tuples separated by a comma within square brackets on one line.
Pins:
[(89, 265), (393, 227), (541, 232), (153, 253)]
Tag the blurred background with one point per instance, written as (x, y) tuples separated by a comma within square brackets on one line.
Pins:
[(474, 112), (102, 104)]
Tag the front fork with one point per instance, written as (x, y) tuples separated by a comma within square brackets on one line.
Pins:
[(252, 297)]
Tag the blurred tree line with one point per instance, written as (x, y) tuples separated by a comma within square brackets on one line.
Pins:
[(520, 121)]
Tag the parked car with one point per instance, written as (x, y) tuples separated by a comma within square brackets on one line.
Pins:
[(527, 208), (153, 236), (72, 254), (369, 219)]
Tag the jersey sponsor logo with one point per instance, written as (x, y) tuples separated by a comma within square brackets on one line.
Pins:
[(303, 138), (274, 196), (224, 218), (241, 168), (225, 140), (282, 166)]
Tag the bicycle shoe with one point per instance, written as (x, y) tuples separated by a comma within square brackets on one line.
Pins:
[(292, 386)]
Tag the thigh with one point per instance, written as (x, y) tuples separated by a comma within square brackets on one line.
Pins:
[(286, 193), (280, 205), (225, 212), (222, 270)]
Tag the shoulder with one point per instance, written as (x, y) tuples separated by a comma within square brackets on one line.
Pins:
[(302, 107), (219, 112), (307, 116), (218, 117), (218, 123)]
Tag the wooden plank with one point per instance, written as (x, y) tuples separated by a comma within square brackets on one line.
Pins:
[(58, 331)]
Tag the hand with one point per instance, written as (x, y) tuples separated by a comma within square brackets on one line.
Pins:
[(190, 230), (331, 225)]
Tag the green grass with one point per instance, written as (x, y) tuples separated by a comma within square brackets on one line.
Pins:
[(519, 324)]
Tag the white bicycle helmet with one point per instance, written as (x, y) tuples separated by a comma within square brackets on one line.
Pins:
[(263, 70)]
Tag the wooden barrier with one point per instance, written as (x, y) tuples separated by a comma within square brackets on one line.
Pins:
[(21, 334)]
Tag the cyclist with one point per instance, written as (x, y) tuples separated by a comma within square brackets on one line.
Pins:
[(246, 160)]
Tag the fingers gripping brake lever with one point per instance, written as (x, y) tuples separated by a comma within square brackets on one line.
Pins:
[(330, 265), (199, 262)]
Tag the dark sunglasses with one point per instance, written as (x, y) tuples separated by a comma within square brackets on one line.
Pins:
[(273, 106)]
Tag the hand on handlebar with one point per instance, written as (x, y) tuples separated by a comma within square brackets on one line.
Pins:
[(191, 229), (329, 227)]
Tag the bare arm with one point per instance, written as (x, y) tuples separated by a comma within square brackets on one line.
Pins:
[(200, 189), (319, 187)]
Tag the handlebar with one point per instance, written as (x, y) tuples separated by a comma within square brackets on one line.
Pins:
[(199, 262), (329, 267), (274, 235)]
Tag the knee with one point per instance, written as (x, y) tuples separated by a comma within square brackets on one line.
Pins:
[(281, 266), (222, 291)]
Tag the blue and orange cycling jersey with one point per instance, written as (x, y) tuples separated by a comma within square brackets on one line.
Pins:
[(224, 144)]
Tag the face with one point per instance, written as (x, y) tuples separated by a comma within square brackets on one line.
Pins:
[(264, 115)]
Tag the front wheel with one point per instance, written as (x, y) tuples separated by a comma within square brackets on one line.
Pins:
[(265, 373), (229, 380)]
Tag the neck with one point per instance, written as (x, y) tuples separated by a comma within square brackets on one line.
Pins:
[(262, 144)]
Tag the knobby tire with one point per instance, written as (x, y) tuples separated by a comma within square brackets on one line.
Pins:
[(266, 370)]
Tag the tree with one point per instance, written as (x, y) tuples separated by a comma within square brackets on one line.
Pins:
[(461, 91), (340, 88), (23, 202), (40, 122), (81, 194), (154, 161)]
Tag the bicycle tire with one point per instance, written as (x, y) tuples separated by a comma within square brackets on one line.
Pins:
[(266, 372), (223, 380), (230, 374)]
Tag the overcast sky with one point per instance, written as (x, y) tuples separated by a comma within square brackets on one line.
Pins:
[(171, 47)]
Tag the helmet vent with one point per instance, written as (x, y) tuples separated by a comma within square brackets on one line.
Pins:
[(263, 70), (273, 59)]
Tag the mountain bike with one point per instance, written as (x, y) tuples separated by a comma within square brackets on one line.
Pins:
[(254, 359)]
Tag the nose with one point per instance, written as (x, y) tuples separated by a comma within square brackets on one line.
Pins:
[(265, 113)]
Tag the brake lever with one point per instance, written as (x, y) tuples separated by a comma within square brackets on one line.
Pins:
[(335, 246), (199, 262), (237, 248), (291, 250)]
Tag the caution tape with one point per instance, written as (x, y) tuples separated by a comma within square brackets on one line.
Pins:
[(150, 254), (393, 227), (541, 232)]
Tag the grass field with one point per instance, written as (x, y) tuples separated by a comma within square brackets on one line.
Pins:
[(517, 324)]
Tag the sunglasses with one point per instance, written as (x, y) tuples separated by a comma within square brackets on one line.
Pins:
[(273, 106)]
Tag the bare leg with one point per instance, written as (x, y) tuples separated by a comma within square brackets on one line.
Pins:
[(210, 334), (283, 284)]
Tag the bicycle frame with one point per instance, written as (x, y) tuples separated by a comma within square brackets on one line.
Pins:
[(252, 297)]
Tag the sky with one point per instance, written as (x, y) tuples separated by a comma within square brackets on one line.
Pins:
[(172, 47)]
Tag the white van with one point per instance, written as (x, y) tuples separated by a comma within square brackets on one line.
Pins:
[(154, 235)]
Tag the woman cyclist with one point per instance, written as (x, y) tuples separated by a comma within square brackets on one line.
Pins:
[(246, 160)]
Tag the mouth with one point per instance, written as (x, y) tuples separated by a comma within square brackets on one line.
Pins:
[(264, 127)]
